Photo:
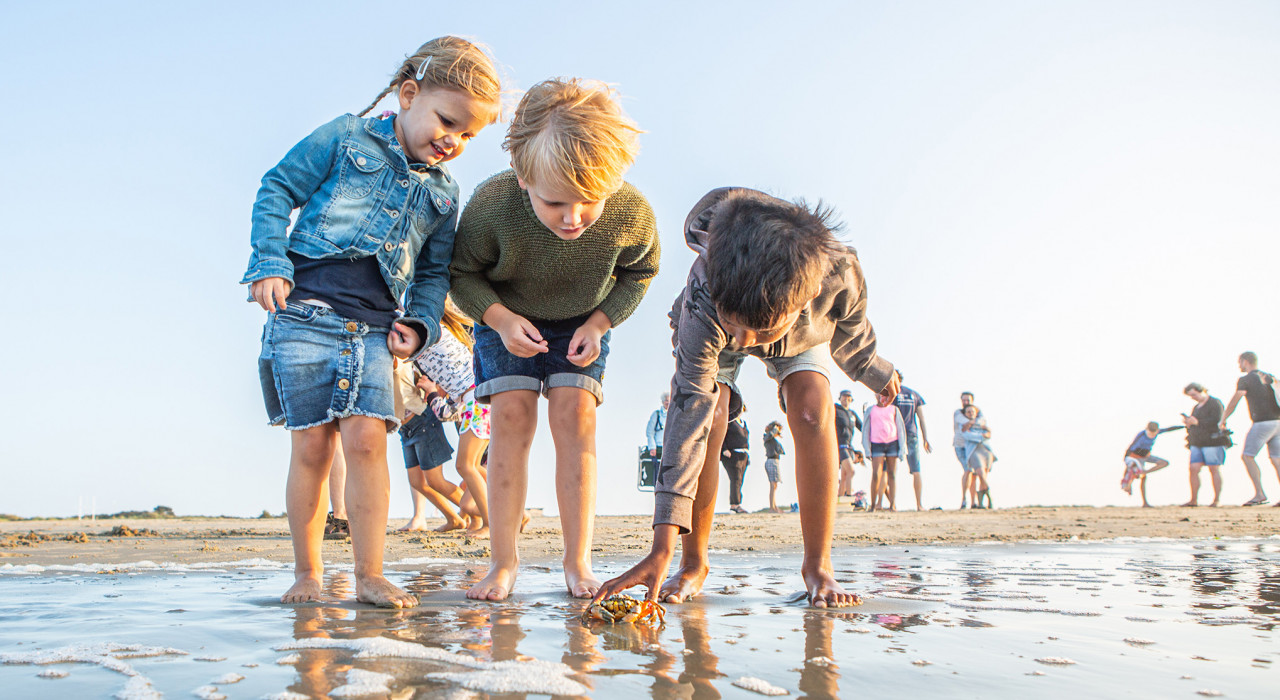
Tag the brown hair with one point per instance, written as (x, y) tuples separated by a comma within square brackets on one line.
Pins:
[(450, 62), (571, 134), (1194, 385), (766, 258), (1250, 357), (457, 323)]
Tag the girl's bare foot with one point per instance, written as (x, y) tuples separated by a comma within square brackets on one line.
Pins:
[(496, 585), (414, 525), (1213, 505), (581, 581), (454, 523), (823, 590), (481, 532), (377, 590), (684, 584), (305, 589)]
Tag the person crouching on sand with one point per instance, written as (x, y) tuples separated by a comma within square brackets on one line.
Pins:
[(772, 281)]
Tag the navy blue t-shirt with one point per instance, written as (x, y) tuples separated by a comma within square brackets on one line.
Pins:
[(354, 288), (907, 402)]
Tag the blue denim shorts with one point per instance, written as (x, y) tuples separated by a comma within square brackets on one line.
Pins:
[(317, 366), (913, 453), (1209, 456), (884, 449), (498, 370), (424, 443)]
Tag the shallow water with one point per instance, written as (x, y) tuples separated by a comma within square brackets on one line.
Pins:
[(1139, 619)]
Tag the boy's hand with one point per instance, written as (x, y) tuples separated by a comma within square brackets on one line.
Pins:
[(270, 292), (584, 348), (891, 389), (402, 341), (651, 570), (519, 336)]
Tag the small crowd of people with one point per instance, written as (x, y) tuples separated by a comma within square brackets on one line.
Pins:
[(1208, 438), (892, 429)]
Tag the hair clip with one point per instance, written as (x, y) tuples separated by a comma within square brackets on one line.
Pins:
[(422, 69)]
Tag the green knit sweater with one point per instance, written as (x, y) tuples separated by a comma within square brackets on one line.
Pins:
[(503, 254)]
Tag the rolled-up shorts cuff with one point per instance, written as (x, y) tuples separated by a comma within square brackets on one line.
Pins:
[(580, 381), (509, 382)]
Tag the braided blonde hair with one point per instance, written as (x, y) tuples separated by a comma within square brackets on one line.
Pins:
[(450, 62)]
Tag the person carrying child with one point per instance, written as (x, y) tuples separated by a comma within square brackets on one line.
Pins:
[(549, 256), (772, 281), (1138, 454), (885, 440), (976, 455), (377, 212)]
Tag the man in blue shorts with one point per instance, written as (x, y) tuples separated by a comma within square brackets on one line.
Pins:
[(909, 403), (1258, 389)]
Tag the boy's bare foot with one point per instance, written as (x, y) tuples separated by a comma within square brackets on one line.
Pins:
[(581, 581), (823, 590), (684, 584), (481, 532), (455, 523), (413, 526), (305, 589), (377, 590), (496, 585)]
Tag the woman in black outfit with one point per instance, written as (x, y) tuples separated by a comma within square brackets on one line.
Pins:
[(735, 459)]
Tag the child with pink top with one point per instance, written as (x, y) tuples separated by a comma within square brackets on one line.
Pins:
[(884, 437)]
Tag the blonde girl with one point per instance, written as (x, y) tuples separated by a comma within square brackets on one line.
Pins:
[(376, 214)]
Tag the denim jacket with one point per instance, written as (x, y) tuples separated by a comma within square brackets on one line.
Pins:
[(352, 182)]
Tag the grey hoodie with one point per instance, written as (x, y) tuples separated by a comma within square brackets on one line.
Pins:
[(837, 316)]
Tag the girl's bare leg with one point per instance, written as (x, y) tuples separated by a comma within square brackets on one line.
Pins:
[(310, 459), (364, 440), (572, 415), (470, 448), (877, 472), (443, 494), (891, 481), (513, 416), (338, 483)]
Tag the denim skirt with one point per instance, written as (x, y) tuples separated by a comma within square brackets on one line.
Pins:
[(317, 365)]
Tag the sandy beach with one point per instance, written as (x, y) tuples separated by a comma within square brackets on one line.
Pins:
[(196, 539)]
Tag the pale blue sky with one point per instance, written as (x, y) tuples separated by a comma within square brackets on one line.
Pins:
[(1068, 208)]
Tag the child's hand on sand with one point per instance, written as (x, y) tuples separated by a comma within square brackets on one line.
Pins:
[(270, 292), (402, 341), (584, 348)]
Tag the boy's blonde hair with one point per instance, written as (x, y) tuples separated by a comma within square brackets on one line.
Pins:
[(571, 134), (449, 62)]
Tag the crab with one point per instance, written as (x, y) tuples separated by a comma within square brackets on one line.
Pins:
[(623, 608)]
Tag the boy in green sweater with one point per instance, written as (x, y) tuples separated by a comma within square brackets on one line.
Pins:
[(548, 257)]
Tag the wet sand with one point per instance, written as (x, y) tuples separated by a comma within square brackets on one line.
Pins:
[(207, 540)]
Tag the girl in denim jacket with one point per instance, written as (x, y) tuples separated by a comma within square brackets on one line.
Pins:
[(374, 230)]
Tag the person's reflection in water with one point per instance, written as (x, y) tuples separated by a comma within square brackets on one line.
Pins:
[(583, 654), (476, 621), (322, 670), (1214, 579), (818, 679), (506, 633)]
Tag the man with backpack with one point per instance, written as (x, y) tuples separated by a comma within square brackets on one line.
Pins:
[(1259, 391)]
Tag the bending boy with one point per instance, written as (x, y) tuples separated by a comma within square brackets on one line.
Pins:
[(549, 256), (772, 281)]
